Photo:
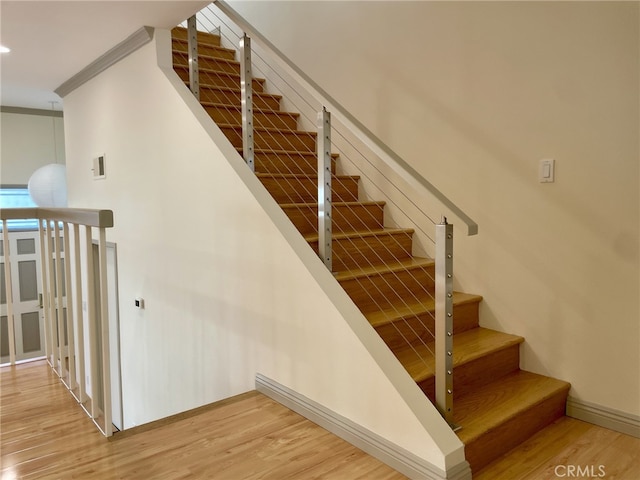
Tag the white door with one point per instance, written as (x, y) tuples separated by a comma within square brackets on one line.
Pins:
[(25, 282)]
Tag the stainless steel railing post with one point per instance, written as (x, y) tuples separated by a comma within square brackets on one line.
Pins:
[(444, 320), (246, 100), (324, 188), (192, 48)]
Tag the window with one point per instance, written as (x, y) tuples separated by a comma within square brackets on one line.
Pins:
[(17, 197)]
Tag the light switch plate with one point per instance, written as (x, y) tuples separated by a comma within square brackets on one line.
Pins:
[(547, 170)]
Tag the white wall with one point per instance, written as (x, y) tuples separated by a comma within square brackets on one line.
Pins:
[(226, 294), (27, 143), (473, 95)]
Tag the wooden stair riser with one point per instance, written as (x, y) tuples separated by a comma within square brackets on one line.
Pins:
[(396, 288), (497, 441), (485, 370), (273, 139), (296, 163), (346, 218), (305, 190), (262, 119), (365, 251), (204, 38), (219, 65), (181, 47), (479, 372), (219, 79), (420, 328), (210, 63), (227, 96)]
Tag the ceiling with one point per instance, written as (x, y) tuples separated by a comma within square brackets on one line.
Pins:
[(51, 41)]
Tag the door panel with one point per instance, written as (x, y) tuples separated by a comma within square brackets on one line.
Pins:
[(28, 281), (4, 337), (31, 339), (27, 316)]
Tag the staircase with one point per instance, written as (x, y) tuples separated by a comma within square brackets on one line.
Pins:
[(497, 405)]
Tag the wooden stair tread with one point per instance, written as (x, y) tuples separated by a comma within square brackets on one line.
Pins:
[(382, 317), (419, 360), (315, 204), (202, 55), (213, 71), (235, 63), (255, 110), (235, 90), (493, 404), (367, 271), (302, 176), (180, 33), (267, 129), (368, 233), (288, 152)]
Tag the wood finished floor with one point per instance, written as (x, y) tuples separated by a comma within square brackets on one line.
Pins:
[(44, 434)]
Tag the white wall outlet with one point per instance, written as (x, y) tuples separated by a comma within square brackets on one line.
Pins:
[(547, 170), (139, 303)]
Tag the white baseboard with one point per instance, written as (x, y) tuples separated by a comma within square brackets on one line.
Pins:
[(396, 457), (604, 417)]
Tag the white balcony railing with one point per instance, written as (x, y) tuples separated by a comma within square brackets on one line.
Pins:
[(72, 295)]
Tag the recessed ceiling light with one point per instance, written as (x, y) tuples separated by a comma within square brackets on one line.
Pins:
[(4, 49)]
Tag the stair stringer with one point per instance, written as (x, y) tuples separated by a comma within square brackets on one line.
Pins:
[(424, 433)]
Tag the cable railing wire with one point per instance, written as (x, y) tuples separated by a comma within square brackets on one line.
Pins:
[(308, 104), (365, 157), (362, 155), (311, 192), (221, 100)]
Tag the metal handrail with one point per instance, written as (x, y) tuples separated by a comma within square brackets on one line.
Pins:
[(399, 165)]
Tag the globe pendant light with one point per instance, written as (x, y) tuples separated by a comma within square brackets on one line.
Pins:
[(48, 185)]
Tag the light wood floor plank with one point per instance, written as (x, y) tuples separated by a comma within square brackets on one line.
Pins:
[(44, 434)]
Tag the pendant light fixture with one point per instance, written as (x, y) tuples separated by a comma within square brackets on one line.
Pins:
[(48, 184)]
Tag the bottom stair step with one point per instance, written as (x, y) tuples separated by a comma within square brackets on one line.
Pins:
[(480, 356), (504, 413)]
